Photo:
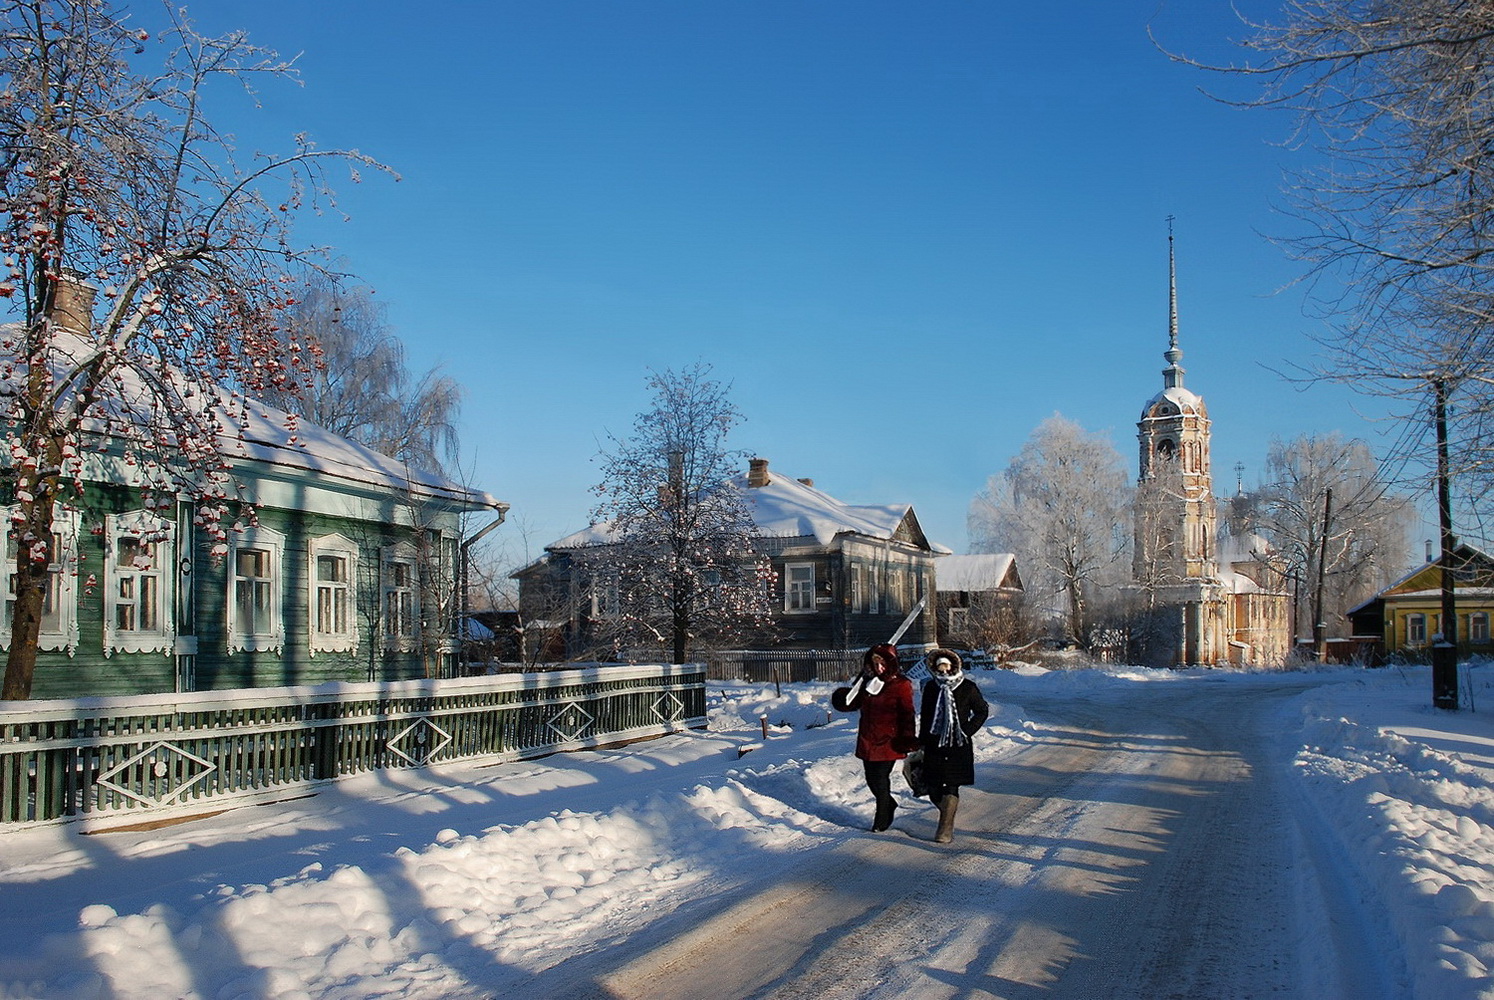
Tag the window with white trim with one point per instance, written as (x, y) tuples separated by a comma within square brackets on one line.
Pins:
[(333, 619), (59, 624), (139, 559), (254, 585), (1478, 626), (606, 600), (400, 597), (1416, 629), (798, 588)]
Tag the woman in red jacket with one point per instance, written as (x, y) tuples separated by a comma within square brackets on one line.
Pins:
[(885, 734)]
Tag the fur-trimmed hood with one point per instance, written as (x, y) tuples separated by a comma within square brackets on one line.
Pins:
[(934, 655)]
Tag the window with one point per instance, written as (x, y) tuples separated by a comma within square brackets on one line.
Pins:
[(59, 625), (1416, 630), (254, 621), (605, 602), (798, 590), (400, 604), (858, 585), (139, 560), (1478, 626), (958, 620), (334, 570)]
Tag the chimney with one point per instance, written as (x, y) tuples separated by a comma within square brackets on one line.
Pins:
[(806, 482), (72, 304), (757, 472)]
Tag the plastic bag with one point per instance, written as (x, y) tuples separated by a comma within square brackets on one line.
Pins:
[(913, 773)]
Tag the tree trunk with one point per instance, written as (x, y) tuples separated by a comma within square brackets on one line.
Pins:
[(25, 628)]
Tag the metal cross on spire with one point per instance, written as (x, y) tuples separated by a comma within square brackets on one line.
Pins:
[(1173, 374)]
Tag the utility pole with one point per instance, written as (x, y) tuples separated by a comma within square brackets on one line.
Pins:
[(1320, 627), (1445, 652)]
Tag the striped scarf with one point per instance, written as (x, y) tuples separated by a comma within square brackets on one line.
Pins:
[(946, 725)]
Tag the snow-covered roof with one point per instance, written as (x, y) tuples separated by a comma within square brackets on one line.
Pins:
[(788, 508), (1437, 592), (1238, 583), (1243, 547), (262, 433), (1463, 551), (973, 573), (1184, 399), (266, 438)]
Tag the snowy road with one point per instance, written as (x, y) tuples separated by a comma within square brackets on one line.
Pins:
[(1133, 849), (1136, 834)]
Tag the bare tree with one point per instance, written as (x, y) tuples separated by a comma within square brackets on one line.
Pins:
[(1397, 97), (361, 386), (1330, 521), (998, 625), (114, 183), (1062, 506), (683, 564)]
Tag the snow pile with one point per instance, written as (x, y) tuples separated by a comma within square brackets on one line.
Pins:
[(1414, 806), (524, 897)]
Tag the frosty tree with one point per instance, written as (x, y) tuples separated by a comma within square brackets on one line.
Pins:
[(361, 388), (146, 264), (1062, 508), (1329, 519), (682, 565)]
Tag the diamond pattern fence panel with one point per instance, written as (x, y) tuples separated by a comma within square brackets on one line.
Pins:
[(106, 761)]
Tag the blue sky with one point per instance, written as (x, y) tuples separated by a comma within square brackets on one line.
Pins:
[(905, 233)]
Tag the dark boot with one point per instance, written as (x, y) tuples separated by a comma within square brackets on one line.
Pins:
[(947, 807), (885, 809)]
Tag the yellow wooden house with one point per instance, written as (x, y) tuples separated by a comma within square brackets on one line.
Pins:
[(1406, 617)]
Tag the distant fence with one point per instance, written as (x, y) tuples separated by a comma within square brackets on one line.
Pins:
[(761, 666), (148, 756)]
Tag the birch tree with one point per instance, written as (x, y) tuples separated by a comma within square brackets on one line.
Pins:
[(683, 565), (1062, 507), (115, 185), (361, 386)]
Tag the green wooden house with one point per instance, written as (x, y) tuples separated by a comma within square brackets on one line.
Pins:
[(347, 570)]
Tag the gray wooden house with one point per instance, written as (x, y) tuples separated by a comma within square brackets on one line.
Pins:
[(846, 575), (979, 599)]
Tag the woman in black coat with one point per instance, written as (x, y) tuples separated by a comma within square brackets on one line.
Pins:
[(952, 710)]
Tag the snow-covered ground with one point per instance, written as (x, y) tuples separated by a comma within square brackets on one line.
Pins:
[(471, 881)]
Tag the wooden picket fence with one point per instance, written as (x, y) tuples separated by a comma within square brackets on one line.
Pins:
[(109, 761)]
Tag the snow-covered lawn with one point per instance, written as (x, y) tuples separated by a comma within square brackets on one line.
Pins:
[(470, 881)]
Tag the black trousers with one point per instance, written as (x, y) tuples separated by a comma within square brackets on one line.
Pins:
[(879, 778)]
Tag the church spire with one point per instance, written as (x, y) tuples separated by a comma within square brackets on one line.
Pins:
[(1172, 375)]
